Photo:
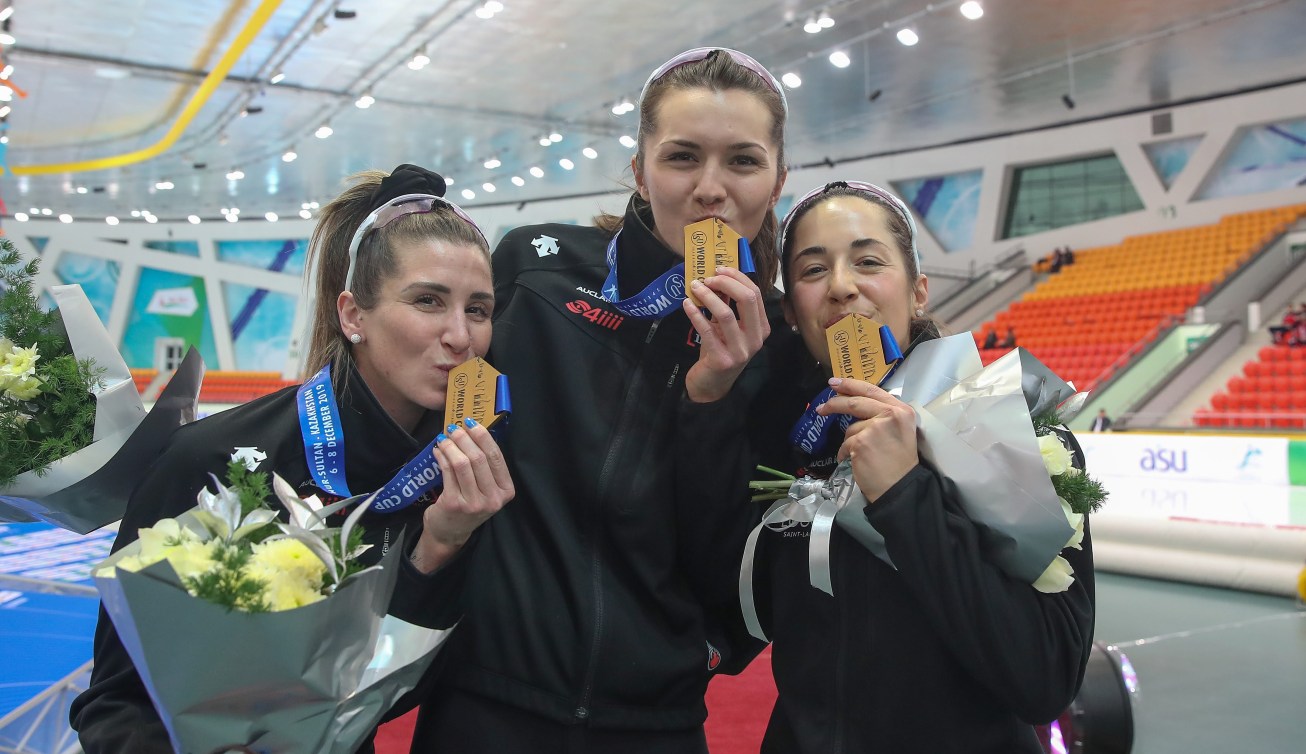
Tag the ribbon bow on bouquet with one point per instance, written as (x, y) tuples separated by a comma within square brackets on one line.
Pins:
[(991, 431)]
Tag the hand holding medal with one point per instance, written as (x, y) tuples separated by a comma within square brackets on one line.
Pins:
[(881, 439), (717, 263), (476, 479)]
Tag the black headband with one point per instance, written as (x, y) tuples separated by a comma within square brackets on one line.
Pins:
[(407, 179)]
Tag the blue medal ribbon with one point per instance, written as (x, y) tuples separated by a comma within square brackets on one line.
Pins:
[(662, 295), (812, 432), (324, 437), (324, 447)]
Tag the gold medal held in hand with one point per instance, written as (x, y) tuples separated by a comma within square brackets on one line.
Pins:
[(861, 349), (709, 244), (476, 390)]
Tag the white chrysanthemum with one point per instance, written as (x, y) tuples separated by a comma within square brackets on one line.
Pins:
[(1055, 456)]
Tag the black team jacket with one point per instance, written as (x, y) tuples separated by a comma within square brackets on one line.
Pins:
[(605, 593), (945, 654)]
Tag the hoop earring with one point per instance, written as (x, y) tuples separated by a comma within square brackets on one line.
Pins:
[(356, 338)]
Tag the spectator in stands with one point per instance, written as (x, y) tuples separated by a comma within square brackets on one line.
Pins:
[(942, 634), (1009, 340), (1057, 260), (991, 339), (1067, 256), (1101, 422), (403, 294), (1285, 333)]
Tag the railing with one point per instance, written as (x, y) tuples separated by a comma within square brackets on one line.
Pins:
[(40, 725)]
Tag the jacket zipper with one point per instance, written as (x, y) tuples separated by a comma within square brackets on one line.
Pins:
[(582, 711)]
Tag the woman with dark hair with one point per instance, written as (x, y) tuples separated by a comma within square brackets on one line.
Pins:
[(941, 651), (599, 604), (403, 295)]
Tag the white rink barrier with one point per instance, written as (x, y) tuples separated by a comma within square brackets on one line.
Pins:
[(1250, 557)]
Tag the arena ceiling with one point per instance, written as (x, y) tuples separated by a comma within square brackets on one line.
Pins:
[(110, 105)]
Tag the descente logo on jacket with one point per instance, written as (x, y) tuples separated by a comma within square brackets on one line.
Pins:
[(600, 317)]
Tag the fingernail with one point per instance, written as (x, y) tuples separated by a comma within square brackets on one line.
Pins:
[(470, 422), (451, 429), (696, 283), (440, 438), (835, 382)]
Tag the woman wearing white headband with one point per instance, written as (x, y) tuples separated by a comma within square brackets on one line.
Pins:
[(403, 295), (944, 653), (592, 620)]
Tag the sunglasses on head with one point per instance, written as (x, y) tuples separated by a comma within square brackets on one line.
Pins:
[(861, 187), (401, 206), (701, 53)]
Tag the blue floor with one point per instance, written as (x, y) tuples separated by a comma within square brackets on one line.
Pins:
[(44, 637)]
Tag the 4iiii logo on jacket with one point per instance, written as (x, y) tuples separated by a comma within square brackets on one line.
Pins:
[(600, 317)]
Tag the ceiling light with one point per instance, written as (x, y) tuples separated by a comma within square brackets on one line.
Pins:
[(840, 59), (111, 220), (305, 214), (47, 211), (4, 139), (82, 189), (232, 217), (222, 211), (151, 219), (270, 217), (469, 194), (313, 205), (566, 164), (289, 156), (193, 219), (544, 141), (589, 152), (7, 39), (623, 107), (494, 6), (972, 10), (908, 37), (537, 171), (555, 137), (364, 102), (489, 187), (627, 141), (235, 175), (419, 61), (6, 72), (825, 22), (492, 163), (20, 217), (6, 13), (323, 131), (161, 186), (483, 12), (137, 213), (235, 210), (65, 218), (277, 78), (517, 180), (812, 26), (791, 80), (448, 180), (4, 111)]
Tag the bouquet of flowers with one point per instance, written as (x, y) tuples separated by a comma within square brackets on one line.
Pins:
[(70, 449), (997, 433), (320, 661)]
